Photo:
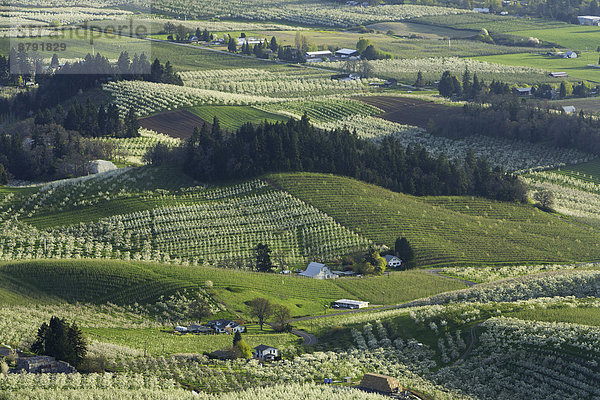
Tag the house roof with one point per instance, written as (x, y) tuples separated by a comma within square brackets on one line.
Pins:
[(346, 51), (318, 53), (568, 109), (523, 89), (354, 302), (313, 269), (390, 257), (263, 347)]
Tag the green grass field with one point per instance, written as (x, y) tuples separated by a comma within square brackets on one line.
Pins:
[(576, 67), (575, 37), (183, 58), (588, 104), (491, 22), (233, 117), (158, 342), (578, 315), (446, 230), (128, 282)]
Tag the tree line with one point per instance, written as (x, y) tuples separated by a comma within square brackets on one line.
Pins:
[(71, 78), (211, 155), (507, 117), (91, 120)]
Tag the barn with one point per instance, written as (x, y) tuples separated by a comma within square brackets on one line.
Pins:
[(380, 383)]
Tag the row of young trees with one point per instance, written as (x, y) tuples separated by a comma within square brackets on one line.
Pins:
[(211, 154)]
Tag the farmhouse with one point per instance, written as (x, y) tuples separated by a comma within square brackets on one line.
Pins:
[(347, 53), (351, 304), (589, 20), (568, 109), (181, 329), (44, 364), (249, 40), (265, 353), (526, 91), (558, 74), (226, 326), (570, 54), (316, 56), (393, 261), (318, 271), (380, 383)]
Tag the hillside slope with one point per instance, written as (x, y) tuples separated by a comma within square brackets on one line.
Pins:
[(446, 230)]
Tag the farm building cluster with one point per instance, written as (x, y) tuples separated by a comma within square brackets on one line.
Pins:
[(213, 327), (326, 55), (317, 270)]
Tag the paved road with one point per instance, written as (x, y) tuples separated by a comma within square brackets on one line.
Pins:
[(473, 341), (309, 339)]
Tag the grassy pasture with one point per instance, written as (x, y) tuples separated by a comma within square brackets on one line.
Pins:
[(577, 315), (588, 104), (158, 341), (446, 230), (422, 30), (576, 67), (233, 117), (128, 282), (491, 22), (182, 58), (576, 37)]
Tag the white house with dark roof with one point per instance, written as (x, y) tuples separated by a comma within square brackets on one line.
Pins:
[(265, 353), (393, 261), (317, 270), (226, 326)]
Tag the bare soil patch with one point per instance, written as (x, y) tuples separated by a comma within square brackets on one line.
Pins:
[(179, 124), (407, 111)]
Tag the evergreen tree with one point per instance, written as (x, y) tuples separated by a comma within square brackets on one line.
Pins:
[(3, 175), (237, 337), (232, 45), (420, 82), (60, 340), (131, 124), (403, 250), (466, 82), (274, 46), (262, 255)]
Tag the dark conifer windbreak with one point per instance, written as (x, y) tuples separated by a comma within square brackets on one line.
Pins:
[(211, 155)]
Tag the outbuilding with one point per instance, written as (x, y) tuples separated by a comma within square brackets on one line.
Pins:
[(347, 53), (351, 304), (380, 384)]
